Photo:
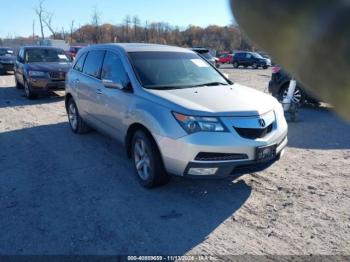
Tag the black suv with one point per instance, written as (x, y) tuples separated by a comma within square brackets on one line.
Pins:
[(7, 60), (40, 69), (252, 59), (279, 84)]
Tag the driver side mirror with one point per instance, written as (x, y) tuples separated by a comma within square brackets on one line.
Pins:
[(113, 84)]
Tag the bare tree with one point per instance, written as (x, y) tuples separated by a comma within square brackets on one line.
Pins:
[(47, 19), (127, 21), (71, 31), (136, 22), (40, 12), (33, 30), (96, 21)]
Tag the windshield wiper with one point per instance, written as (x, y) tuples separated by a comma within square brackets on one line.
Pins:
[(212, 84), (165, 87)]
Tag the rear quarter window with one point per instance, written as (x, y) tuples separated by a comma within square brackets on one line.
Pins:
[(80, 63)]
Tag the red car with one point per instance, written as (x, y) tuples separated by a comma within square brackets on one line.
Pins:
[(73, 50), (224, 58)]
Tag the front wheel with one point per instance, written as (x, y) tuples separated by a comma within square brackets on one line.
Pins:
[(235, 64), (28, 91), (148, 163), (298, 96), (255, 66), (18, 85)]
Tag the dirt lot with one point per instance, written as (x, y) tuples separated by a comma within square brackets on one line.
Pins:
[(66, 194)]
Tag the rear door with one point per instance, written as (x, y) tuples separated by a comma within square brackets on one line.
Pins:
[(89, 84)]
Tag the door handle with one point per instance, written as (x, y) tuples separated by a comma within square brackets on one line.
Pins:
[(99, 91)]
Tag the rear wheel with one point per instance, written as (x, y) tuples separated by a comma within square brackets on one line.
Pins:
[(28, 91), (77, 124), (235, 65), (255, 66), (148, 163)]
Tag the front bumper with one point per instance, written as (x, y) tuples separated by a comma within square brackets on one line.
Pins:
[(179, 155), (7, 67), (45, 84)]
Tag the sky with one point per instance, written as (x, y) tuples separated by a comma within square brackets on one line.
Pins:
[(17, 17)]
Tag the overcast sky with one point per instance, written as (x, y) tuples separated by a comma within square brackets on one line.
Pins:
[(17, 16)]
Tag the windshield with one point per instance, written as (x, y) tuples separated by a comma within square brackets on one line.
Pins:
[(170, 70), (6, 52), (45, 55), (256, 55)]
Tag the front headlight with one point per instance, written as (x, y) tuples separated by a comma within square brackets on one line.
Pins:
[(37, 73), (194, 124)]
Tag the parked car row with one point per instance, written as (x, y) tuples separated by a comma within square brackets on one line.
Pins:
[(174, 112), (245, 59)]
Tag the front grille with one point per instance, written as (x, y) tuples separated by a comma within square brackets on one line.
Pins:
[(57, 75), (254, 133), (219, 157)]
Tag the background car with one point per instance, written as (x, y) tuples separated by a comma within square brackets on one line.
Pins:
[(204, 52), (7, 59), (73, 50), (278, 87), (39, 69), (252, 59), (225, 58)]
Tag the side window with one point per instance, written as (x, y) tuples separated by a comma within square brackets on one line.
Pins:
[(21, 54), (113, 68), (80, 63), (93, 63), (248, 56)]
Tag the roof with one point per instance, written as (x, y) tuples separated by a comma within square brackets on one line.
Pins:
[(141, 47), (40, 47)]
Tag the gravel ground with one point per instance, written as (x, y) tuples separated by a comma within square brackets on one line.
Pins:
[(66, 194)]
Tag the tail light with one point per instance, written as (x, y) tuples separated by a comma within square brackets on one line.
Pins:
[(275, 69)]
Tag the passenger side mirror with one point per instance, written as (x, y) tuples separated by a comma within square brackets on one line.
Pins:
[(113, 84), (19, 59)]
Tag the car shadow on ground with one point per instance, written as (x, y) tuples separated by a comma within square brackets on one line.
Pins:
[(62, 193), (12, 97), (319, 128)]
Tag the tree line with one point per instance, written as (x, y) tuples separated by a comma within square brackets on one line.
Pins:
[(132, 29)]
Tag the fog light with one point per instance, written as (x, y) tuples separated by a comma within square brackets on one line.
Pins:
[(202, 171)]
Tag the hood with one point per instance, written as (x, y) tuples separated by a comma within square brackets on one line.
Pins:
[(47, 67), (8, 58), (234, 100)]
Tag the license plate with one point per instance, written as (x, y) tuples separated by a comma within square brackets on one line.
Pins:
[(266, 153)]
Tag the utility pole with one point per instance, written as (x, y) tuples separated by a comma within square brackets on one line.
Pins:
[(33, 30)]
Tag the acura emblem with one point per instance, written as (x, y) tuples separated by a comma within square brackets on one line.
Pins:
[(262, 122)]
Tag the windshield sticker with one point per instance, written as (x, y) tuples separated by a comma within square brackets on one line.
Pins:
[(199, 63), (62, 57)]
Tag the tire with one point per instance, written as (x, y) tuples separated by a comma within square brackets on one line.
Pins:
[(18, 85), (265, 67), (148, 164), (28, 91), (218, 65), (298, 97), (255, 66), (77, 124), (235, 65)]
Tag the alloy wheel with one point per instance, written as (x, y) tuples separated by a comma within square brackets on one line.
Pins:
[(73, 117), (296, 96), (142, 159)]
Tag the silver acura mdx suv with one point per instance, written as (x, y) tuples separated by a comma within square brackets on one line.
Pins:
[(173, 111)]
